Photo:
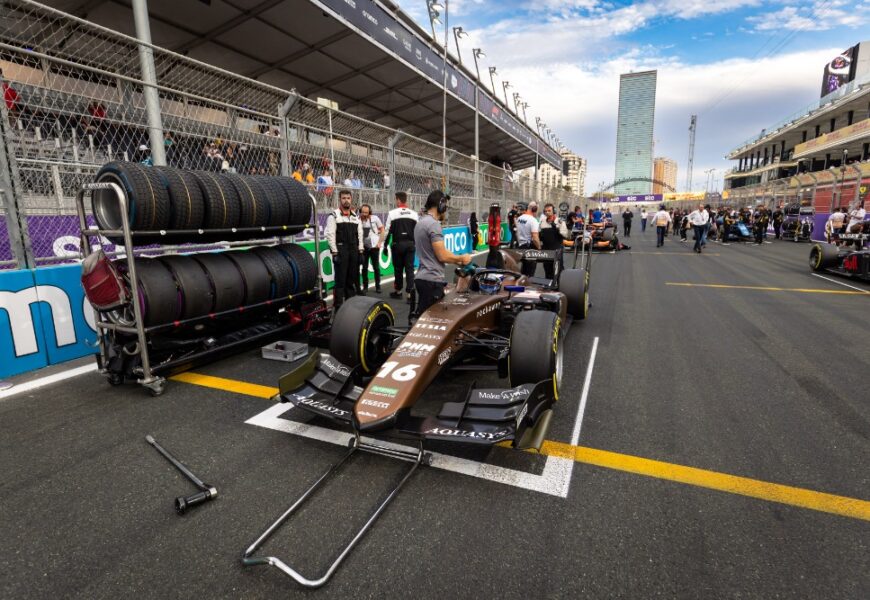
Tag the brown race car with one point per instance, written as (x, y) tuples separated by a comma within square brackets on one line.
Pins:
[(492, 319)]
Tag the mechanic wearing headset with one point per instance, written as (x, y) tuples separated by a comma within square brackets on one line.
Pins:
[(528, 235), (552, 231), (432, 253), (344, 234)]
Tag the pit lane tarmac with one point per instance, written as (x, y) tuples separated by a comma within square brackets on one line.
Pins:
[(722, 452)]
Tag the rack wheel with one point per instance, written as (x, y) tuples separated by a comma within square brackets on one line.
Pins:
[(427, 459), (115, 379), (156, 387)]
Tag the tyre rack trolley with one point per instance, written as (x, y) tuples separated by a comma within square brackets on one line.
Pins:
[(150, 375)]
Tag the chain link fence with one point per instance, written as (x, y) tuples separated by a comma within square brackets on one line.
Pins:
[(74, 99)]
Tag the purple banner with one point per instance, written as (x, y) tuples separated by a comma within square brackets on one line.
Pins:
[(639, 198)]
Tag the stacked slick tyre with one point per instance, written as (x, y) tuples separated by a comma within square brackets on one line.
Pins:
[(148, 206), (226, 280), (303, 266), (221, 206), (253, 204)]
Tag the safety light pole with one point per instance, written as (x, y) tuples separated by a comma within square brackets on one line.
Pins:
[(459, 32), (435, 8), (492, 72)]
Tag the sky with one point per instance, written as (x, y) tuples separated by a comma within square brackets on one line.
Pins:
[(740, 65)]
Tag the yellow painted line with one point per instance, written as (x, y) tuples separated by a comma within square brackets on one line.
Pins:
[(229, 385), (732, 484), (768, 289)]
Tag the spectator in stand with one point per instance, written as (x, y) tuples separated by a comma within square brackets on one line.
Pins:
[(662, 218), (325, 183), (143, 156), (11, 98)]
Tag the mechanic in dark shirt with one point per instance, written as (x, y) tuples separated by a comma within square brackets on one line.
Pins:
[(400, 230), (761, 221), (344, 234), (432, 253), (778, 217), (552, 232), (627, 216), (512, 225)]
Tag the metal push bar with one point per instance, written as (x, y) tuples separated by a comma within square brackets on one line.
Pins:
[(355, 443)]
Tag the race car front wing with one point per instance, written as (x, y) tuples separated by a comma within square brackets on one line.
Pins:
[(522, 414)]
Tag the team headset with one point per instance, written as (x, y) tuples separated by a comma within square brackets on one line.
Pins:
[(441, 203)]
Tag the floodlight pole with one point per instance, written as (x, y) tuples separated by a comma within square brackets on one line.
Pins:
[(149, 77), (444, 103)]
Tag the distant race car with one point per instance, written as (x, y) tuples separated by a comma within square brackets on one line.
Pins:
[(842, 261)]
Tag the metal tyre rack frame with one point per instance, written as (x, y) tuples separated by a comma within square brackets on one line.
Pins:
[(149, 378)]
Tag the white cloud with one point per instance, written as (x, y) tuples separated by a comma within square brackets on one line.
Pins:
[(819, 16), (579, 103)]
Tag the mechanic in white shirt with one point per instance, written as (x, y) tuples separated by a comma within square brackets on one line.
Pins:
[(856, 219), (529, 235), (373, 240), (699, 219), (661, 219), (835, 222)]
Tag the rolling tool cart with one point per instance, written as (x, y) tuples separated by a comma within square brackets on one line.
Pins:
[(160, 315)]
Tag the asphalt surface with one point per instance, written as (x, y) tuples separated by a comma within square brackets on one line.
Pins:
[(767, 385)]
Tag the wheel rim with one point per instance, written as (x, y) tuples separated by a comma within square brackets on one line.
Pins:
[(105, 204), (557, 381), (375, 347)]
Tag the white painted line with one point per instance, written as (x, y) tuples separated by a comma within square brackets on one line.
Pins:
[(575, 437), (840, 283), (47, 380), (554, 480)]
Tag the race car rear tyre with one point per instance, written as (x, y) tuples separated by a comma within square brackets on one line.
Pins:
[(357, 333), (195, 288), (535, 352), (574, 283), (823, 256)]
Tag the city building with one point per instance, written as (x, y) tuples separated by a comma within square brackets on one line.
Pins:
[(665, 171), (634, 132), (572, 173)]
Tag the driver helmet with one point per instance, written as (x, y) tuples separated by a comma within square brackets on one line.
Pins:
[(490, 283)]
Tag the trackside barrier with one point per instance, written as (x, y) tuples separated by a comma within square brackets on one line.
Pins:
[(45, 318)]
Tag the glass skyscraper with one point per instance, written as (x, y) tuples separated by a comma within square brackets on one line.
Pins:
[(634, 131)]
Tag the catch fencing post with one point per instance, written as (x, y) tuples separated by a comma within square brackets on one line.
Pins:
[(149, 78)]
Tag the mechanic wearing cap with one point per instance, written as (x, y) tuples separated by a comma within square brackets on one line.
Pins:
[(432, 253), (344, 234), (401, 222), (552, 232)]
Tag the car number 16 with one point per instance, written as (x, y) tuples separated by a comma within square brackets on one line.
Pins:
[(405, 373)]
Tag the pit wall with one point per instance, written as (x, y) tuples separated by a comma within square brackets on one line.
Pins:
[(45, 318)]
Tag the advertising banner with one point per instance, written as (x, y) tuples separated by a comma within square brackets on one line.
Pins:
[(639, 198)]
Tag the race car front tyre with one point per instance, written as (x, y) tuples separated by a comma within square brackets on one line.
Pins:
[(358, 337), (574, 283), (823, 256), (535, 351)]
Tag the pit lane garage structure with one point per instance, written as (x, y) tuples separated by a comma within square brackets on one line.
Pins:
[(818, 158)]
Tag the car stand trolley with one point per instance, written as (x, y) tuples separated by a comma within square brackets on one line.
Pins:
[(415, 457), (151, 375)]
